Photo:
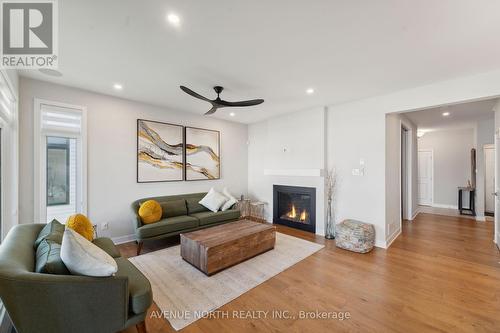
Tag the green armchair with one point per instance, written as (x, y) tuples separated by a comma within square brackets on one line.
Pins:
[(68, 303)]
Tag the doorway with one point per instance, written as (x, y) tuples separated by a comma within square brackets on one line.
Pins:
[(489, 180), (60, 161), (425, 177)]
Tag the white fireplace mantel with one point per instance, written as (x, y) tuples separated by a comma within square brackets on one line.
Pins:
[(294, 172)]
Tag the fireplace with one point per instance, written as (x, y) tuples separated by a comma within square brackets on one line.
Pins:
[(295, 207)]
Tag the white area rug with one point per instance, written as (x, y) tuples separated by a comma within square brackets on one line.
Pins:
[(184, 294)]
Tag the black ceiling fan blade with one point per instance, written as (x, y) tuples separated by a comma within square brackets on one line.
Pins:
[(194, 94), (212, 110), (242, 103)]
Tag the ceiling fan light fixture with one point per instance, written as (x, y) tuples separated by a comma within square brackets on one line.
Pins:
[(218, 103)]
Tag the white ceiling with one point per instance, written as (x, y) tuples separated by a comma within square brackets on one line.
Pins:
[(274, 50), (463, 115)]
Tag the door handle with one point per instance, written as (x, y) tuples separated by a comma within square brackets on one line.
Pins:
[(495, 194)]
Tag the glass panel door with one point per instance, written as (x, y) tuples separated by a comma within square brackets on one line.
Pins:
[(61, 179)]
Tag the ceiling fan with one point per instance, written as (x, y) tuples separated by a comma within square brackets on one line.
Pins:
[(219, 103)]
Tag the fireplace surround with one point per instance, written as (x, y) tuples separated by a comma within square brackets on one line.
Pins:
[(295, 207)]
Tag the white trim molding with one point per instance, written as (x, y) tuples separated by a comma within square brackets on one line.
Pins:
[(414, 215), (294, 172), (9, 177), (392, 238)]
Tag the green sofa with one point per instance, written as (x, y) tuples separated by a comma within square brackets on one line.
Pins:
[(181, 213), (50, 303)]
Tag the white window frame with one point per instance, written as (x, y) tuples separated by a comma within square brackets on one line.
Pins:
[(40, 160)]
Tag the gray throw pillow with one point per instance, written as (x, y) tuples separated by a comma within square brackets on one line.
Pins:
[(52, 231), (48, 259)]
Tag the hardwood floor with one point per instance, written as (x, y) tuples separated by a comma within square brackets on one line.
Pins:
[(442, 274)]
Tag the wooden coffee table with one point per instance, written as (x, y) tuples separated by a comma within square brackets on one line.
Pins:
[(213, 249)]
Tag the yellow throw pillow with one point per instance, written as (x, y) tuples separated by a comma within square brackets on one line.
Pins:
[(150, 212), (81, 224)]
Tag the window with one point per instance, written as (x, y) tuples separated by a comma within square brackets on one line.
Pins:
[(60, 174), (60, 169)]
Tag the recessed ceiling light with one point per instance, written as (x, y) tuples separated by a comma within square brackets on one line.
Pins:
[(117, 86), (174, 19), (446, 114), (310, 91), (232, 114)]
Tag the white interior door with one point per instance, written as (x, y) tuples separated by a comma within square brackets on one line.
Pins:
[(489, 178), (425, 171)]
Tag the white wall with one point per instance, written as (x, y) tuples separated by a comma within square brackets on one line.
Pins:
[(452, 163), (485, 134), (357, 130), (112, 125), (356, 133), (295, 141)]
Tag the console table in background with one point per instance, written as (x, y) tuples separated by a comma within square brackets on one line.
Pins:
[(472, 197)]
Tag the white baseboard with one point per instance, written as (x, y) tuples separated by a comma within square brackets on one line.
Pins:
[(415, 213), (481, 218), (381, 245), (436, 205), (123, 239), (392, 238)]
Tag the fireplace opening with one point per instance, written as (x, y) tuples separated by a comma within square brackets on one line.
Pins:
[(295, 207)]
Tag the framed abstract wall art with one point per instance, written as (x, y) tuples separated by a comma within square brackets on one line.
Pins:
[(202, 154), (160, 152)]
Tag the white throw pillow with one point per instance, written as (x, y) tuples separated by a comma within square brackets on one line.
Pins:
[(82, 257), (213, 200), (230, 201)]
